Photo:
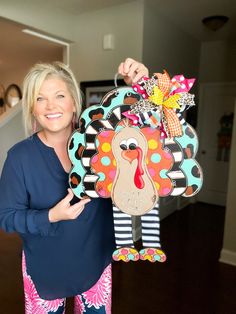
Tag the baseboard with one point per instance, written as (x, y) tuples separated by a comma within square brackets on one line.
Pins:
[(228, 257)]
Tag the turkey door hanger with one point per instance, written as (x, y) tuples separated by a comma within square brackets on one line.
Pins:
[(136, 147)]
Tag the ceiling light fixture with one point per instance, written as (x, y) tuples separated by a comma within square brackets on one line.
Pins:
[(215, 22)]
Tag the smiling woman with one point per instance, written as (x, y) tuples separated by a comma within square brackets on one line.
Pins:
[(67, 242)]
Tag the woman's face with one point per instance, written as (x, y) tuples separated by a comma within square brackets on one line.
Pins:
[(54, 106)]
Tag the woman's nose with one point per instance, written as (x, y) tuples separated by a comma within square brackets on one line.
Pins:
[(50, 103)]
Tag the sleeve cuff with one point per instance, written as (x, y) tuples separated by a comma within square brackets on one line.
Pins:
[(39, 223)]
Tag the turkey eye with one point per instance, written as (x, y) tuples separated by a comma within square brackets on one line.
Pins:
[(132, 146), (132, 143), (128, 94), (123, 146)]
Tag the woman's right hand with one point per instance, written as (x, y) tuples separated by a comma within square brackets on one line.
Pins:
[(65, 211), (132, 71)]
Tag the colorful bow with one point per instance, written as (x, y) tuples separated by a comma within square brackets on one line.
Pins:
[(161, 97)]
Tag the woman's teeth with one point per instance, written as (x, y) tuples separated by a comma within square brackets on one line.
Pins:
[(54, 115)]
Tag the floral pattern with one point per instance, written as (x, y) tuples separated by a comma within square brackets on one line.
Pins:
[(98, 296), (79, 306)]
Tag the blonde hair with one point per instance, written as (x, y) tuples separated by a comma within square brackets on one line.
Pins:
[(33, 82)]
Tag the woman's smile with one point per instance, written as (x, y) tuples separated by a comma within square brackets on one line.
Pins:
[(54, 116)]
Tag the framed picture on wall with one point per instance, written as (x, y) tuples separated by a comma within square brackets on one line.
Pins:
[(93, 91)]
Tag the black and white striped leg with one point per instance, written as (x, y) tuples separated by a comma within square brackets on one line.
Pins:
[(150, 224), (123, 236)]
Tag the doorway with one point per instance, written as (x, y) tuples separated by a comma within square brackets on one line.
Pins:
[(215, 129)]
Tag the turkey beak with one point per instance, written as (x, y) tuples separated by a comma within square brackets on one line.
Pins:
[(129, 154)]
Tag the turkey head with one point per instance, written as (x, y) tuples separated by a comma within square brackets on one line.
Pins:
[(133, 190)]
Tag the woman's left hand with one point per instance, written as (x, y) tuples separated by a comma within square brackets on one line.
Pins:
[(132, 71)]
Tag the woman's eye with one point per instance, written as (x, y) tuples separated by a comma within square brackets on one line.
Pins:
[(60, 96), (39, 98)]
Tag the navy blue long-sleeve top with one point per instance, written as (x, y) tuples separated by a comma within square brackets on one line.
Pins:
[(64, 258)]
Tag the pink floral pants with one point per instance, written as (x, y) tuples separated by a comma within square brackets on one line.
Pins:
[(96, 300)]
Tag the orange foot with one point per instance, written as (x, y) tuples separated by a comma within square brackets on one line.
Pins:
[(125, 254), (152, 255)]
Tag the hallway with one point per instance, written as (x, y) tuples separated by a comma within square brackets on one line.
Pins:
[(191, 281)]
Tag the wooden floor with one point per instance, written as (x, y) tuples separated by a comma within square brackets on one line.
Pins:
[(191, 281)]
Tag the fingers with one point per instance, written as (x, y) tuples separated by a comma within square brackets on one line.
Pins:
[(132, 70), (65, 211), (125, 66), (139, 75), (79, 206), (69, 196), (132, 67), (84, 201)]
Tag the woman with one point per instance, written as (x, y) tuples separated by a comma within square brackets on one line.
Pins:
[(67, 243)]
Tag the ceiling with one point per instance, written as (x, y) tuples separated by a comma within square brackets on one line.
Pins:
[(185, 14), (188, 15), (16, 45)]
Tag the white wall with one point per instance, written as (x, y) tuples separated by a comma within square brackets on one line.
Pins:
[(228, 253), (218, 64), (165, 46), (218, 61), (32, 13), (11, 133), (213, 61), (125, 22)]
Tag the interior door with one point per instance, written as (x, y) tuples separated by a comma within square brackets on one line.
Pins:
[(215, 124)]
